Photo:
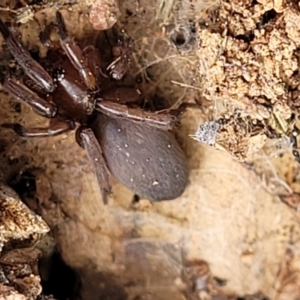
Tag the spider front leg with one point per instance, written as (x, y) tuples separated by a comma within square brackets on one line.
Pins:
[(21, 92), (121, 95), (87, 139), (137, 115), (74, 54), (111, 103), (56, 127), (122, 53), (31, 68), (90, 53), (93, 61)]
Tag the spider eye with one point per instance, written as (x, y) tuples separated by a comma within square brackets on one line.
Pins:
[(58, 74)]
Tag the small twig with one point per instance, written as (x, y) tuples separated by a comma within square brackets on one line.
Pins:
[(185, 85)]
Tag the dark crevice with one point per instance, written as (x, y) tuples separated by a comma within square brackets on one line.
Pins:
[(58, 279), (24, 183), (101, 285), (135, 198), (179, 39), (247, 37), (185, 36), (267, 17), (16, 106)]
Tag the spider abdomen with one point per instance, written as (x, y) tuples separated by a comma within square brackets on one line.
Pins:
[(145, 159)]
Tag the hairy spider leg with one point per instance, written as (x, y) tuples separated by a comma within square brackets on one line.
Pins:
[(43, 80), (137, 115), (74, 54), (21, 92), (57, 126), (123, 52), (121, 94), (88, 141), (31, 67), (92, 57), (112, 103), (90, 53)]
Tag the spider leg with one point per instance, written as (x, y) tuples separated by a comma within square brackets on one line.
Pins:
[(88, 141), (21, 92), (55, 127), (116, 110), (164, 119), (92, 56), (121, 95), (74, 54), (122, 53), (31, 67)]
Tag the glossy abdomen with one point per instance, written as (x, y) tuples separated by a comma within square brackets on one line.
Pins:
[(147, 160)]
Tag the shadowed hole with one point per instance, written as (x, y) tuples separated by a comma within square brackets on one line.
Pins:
[(58, 279)]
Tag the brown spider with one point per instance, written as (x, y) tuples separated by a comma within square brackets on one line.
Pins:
[(132, 144)]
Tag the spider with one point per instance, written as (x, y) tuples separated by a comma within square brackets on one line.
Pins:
[(133, 145)]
